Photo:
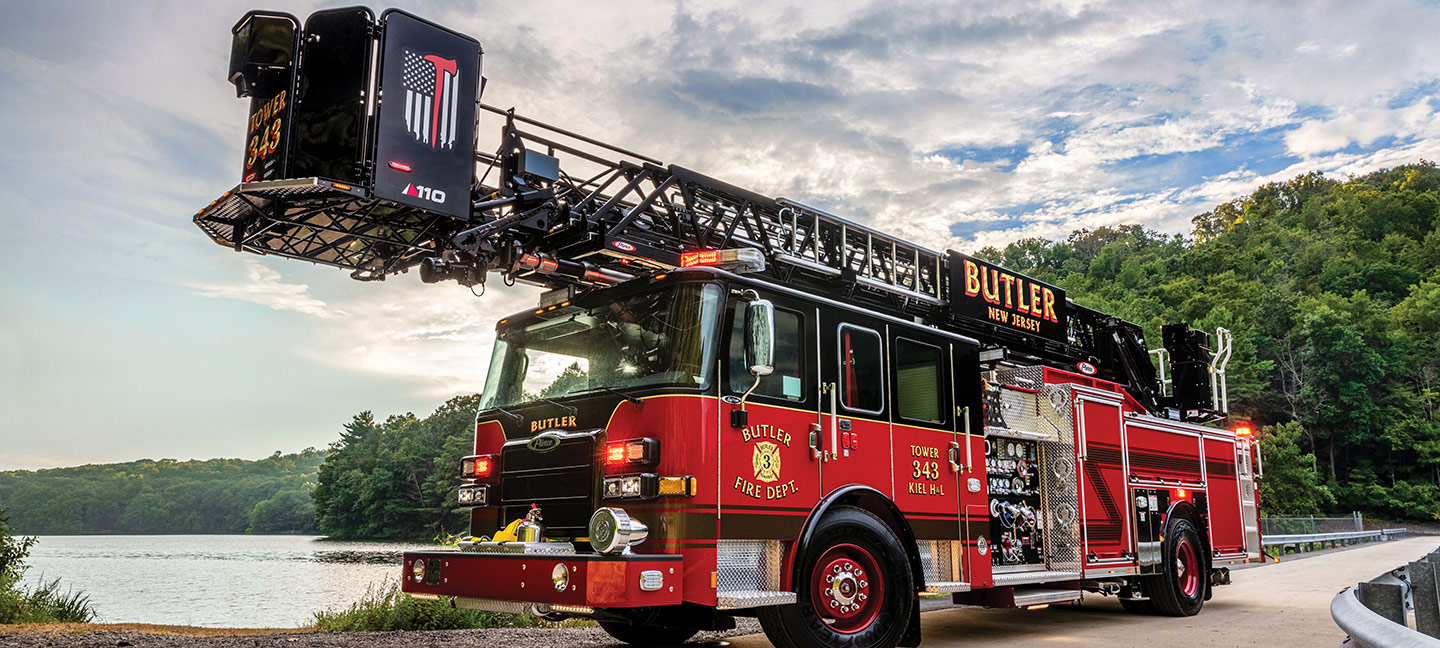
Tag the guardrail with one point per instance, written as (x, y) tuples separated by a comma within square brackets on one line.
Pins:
[(1299, 542), (1374, 612)]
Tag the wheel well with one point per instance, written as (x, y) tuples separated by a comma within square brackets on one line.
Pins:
[(868, 499), (1192, 513)]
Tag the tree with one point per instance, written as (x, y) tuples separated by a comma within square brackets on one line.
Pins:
[(1290, 485)]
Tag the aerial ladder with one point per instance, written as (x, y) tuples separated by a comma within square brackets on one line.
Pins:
[(361, 154)]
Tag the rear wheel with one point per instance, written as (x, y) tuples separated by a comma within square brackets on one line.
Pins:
[(855, 587), (647, 635), (1180, 589)]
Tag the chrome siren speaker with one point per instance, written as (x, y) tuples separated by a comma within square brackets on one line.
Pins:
[(612, 530)]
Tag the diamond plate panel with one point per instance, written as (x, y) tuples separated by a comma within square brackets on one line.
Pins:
[(748, 565), (937, 561)]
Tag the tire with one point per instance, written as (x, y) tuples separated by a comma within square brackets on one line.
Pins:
[(855, 588), (1180, 589), (647, 635), (1137, 606)]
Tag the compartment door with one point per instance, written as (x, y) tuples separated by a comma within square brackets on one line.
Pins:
[(1103, 492)]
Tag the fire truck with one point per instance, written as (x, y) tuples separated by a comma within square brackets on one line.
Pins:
[(727, 404)]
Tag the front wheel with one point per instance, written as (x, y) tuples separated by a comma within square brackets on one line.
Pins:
[(855, 589), (647, 635), (1180, 588)]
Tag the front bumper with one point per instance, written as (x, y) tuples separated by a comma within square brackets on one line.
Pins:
[(590, 580)]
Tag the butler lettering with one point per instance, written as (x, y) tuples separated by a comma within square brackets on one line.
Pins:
[(1004, 289), (1009, 300), (546, 424)]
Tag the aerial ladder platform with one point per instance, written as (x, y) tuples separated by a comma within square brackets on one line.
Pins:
[(362, 154)]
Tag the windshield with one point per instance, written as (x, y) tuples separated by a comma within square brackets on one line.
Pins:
[(654, 338)]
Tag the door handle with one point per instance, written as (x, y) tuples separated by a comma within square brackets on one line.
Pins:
[(814, 440), (834, 424), (954, 456), (965, 414)]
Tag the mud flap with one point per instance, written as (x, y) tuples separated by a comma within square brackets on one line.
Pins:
[(911, 638)]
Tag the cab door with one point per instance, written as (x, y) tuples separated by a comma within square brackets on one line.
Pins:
[(928, 453), (769, 476), (855, 443)]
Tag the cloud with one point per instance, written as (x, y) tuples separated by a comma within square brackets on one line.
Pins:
[(266, 287), (436, 338), (1363, 128)]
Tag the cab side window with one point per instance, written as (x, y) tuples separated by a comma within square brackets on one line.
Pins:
[(919, 387), (862, 370), (788, 380)]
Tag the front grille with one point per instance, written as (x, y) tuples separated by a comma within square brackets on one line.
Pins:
[(563, 482)]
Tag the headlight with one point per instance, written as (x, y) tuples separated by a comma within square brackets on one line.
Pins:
[(474, 495), (648, 486), (612, 530), (631, 486)]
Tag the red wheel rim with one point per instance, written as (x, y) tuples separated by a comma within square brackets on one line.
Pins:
[(1187, 568), (845, 589)]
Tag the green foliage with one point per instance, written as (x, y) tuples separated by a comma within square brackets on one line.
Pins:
[(390, 609), (397, 479), (166, 496), (43, 604), (1332, 290), (1291, 485)]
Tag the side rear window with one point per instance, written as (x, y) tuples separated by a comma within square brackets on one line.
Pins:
[(862, 370), (788, 380), (918, 383)]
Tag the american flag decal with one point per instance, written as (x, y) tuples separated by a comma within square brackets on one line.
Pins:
[(430, 99)]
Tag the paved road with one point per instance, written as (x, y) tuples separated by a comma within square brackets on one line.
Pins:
[(1284, 604)]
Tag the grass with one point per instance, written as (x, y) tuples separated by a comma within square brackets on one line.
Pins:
[(45, 603), (387, 608)]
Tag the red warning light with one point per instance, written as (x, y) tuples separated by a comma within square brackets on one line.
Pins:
[(1243, 430), (399, 166), (702, 257)]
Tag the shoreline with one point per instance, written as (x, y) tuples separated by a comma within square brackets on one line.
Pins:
[(144, 628), (106, 635)]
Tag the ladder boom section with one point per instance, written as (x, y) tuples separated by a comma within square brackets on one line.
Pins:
[(398, 184)]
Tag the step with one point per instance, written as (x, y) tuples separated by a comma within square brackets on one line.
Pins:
[(1028, 577), (1038, 596), (946, 587), (738, 599)]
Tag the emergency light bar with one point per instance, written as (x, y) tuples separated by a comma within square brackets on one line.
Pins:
[(741, 260)]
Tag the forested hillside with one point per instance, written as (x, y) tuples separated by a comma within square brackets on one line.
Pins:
[(397, 479), (1332, 290), (271, 495)]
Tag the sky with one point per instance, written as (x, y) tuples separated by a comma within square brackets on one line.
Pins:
[(126, 334)]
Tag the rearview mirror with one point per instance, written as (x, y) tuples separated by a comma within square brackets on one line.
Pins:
[(760, 337)]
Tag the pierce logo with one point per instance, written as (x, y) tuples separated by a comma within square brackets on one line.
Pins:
[(425, 193)]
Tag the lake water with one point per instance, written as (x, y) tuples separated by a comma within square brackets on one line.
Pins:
[(238, 581)]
